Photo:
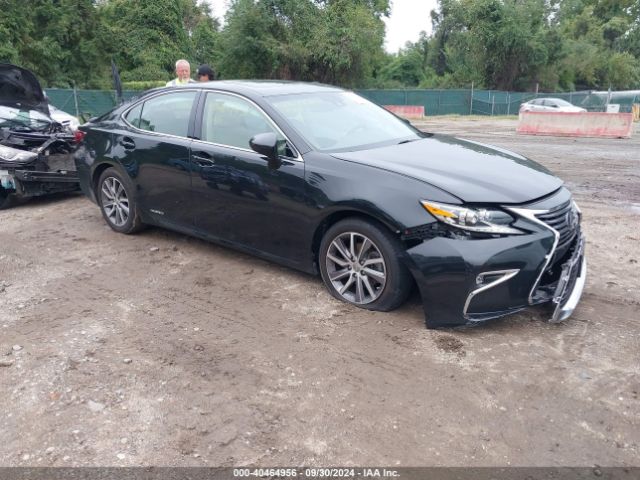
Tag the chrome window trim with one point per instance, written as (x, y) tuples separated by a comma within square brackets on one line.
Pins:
[(531, 215), (298, 158), (126, 122), (506, 275)]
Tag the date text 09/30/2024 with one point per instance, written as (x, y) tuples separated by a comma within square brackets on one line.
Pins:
[(315, 472)]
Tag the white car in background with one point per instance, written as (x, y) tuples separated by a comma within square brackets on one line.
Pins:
[(549, 105), (64, 118)]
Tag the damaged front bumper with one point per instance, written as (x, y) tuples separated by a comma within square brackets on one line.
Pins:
[(28, 172), (571, 283), (469, 281)]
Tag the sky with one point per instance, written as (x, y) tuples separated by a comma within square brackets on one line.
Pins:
[(408, 18)]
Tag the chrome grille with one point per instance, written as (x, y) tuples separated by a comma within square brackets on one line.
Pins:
[(565, 220)]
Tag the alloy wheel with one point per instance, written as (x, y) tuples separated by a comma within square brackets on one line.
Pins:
[(115, 202), (356, 268)]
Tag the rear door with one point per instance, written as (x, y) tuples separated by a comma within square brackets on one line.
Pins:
[(156, 155), (238, 196)]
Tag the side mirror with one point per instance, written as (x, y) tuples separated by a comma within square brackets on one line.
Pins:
[(265, 144)]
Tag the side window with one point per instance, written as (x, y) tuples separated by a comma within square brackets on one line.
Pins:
[(230, 120), (168, 113), (133, 117)]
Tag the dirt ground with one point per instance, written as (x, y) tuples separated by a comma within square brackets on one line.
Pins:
[(159, 349)]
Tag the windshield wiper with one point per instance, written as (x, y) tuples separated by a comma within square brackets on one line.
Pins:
[(407, 141)]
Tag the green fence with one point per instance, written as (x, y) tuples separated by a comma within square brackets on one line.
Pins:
[(89, 103), (493, 102), (85, 103)]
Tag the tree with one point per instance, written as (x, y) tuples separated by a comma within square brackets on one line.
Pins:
[(516, 44), (55, 38), (332, 41), (408, 67), (150, 35)]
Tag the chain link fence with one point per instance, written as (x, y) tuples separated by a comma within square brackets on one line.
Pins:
[(85, 104), (495, 102), (90, 103)]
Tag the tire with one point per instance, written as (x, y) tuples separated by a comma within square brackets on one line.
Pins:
[(372, 278), (115, 195), (7, 199)]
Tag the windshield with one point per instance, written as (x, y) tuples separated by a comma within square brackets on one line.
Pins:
[(25, 119), (342, 121)]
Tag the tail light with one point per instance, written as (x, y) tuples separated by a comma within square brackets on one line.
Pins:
[(78, 136)]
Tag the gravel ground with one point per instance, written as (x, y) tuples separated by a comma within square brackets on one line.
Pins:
[(158, 349)]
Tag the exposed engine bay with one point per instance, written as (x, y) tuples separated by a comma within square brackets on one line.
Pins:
[(36, 152)]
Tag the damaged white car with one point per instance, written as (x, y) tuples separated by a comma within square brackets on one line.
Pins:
[(36, 152)]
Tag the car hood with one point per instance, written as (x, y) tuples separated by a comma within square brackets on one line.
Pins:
[(19, 88), (473, 172)]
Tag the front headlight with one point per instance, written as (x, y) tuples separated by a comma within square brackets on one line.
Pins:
[(472, 219), (15, 155)]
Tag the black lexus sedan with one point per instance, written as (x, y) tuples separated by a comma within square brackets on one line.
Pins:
[(319, 179)]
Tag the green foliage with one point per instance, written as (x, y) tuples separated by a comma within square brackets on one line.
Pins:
[(514, 45), (54, 38), (408, 67), (333, 41), (71, 42), (153, 34), (143, 85), (497, 44)]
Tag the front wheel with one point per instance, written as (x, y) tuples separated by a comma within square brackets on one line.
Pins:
[(117, 202), (359, 263)]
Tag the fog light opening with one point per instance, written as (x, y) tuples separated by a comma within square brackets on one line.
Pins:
[(487, 278)]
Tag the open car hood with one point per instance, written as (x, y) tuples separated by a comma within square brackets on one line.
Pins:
[(19, 88)]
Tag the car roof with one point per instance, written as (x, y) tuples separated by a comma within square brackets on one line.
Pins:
[(264, 88), (554, 99)]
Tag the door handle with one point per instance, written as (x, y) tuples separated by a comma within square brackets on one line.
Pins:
[(128, 144), (203, 161)]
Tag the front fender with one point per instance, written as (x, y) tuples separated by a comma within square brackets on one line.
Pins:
[(391, 198)]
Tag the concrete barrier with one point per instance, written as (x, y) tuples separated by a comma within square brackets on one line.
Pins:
[(406, 111), (589, 124)]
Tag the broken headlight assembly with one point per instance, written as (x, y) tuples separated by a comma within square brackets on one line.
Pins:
[(11, 154)]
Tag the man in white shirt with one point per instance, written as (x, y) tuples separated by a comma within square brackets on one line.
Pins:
[(183, 74)]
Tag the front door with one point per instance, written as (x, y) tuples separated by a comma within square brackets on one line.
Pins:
[(238, 197)]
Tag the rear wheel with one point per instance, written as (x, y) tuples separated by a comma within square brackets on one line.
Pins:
[(359, 264), (117, 202)]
